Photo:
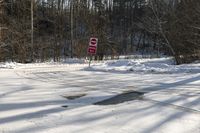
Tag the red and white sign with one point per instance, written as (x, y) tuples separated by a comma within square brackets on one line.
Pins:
[(92, 49)]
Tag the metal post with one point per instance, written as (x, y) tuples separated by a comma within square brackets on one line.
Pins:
[(90, 60)]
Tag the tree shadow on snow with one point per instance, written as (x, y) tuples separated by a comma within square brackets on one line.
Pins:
[(99, 114)]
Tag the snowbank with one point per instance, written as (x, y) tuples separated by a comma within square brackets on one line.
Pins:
[(157, 65), (68, 61), (7, 65)]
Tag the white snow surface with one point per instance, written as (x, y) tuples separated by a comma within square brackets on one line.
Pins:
[(32, 97)]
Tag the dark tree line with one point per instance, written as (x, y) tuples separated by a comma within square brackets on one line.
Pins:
[(62, 28)]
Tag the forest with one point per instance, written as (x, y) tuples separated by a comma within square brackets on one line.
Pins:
[(38, 30)]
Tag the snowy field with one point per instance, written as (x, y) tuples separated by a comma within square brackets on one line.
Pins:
[(60, 97)]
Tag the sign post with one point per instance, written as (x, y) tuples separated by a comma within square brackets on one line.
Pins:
[(92, 49), (90, 60)]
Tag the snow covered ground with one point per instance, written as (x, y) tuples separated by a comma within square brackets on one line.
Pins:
[(33, 97)]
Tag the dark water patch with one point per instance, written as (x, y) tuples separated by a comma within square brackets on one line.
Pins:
[(121, 98), (64, 106)]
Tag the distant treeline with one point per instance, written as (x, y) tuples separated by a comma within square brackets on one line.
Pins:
[(33, 30)]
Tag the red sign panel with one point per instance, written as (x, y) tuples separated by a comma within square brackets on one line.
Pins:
[(92, 49)]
